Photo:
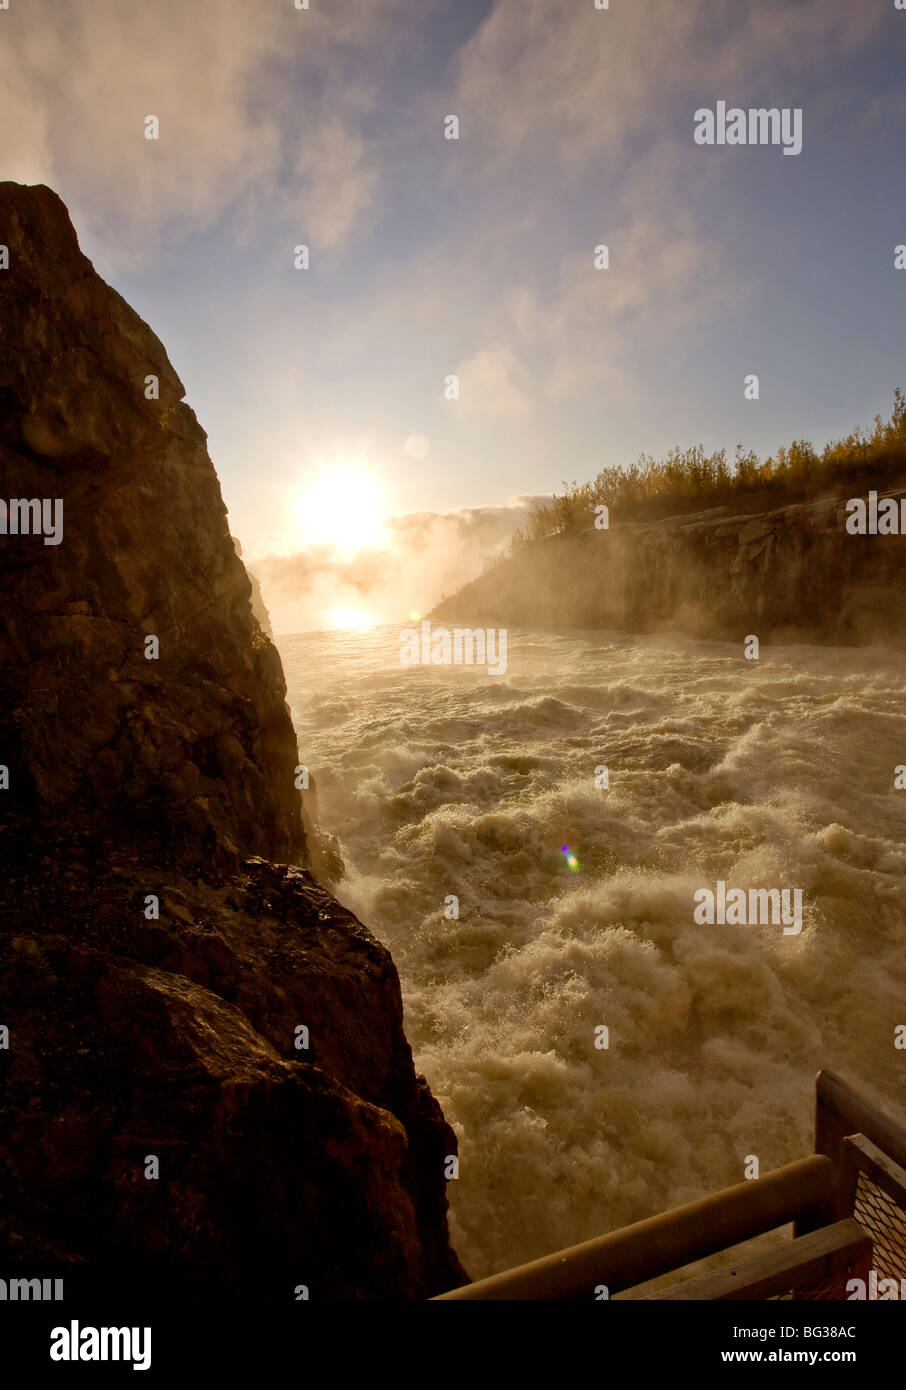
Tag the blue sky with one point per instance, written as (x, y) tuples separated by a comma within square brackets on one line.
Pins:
[(475, 256)]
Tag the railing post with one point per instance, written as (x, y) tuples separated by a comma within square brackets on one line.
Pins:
[(830, 1127), (831, 1130), (848, 1168)]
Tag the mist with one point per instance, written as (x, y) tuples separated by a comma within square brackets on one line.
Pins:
[(428, 555)]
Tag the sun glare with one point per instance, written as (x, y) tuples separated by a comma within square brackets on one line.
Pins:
[(342, 507), (355, 619)]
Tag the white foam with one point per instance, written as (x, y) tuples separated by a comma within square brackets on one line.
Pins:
[(778, 774)]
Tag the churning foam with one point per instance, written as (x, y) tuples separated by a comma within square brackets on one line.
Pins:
[(440, 781)]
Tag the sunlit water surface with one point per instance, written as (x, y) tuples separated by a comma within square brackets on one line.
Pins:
[(780, 773)]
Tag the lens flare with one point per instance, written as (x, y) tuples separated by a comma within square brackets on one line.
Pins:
[(571, 859)]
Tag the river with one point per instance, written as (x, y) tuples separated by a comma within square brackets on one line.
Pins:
[(446, 781)]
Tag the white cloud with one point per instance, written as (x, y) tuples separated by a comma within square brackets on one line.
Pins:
[(77, 80), (338, 183), (552, 80), (417, 446), (494, 382)]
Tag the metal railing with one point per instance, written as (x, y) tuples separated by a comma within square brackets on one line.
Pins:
[(847, 1200)]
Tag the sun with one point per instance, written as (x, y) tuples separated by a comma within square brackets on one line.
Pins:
[(341, 507)]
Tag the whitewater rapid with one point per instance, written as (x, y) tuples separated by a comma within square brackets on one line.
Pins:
[(442, 781)]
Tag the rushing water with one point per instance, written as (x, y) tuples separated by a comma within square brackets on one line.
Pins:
[(780, 773)]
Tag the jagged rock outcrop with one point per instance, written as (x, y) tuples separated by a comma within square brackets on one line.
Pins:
[(322, 849), (790, 574), (259, 607), (169, 991)]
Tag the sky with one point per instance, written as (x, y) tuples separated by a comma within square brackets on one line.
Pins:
[(360, 491)]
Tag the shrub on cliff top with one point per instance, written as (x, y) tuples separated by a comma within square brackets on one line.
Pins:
[(688, 479)]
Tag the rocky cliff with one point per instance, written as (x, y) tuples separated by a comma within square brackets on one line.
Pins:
[(789, 574), (259, 608), (205, 1078)]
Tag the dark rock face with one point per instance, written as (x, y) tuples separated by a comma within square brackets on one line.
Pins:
[(193, 751), (793, 574), (176, 1037), (157, 976), (259, 608)]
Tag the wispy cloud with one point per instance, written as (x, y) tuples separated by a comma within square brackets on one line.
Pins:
[(77, 81), (281, 126)]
